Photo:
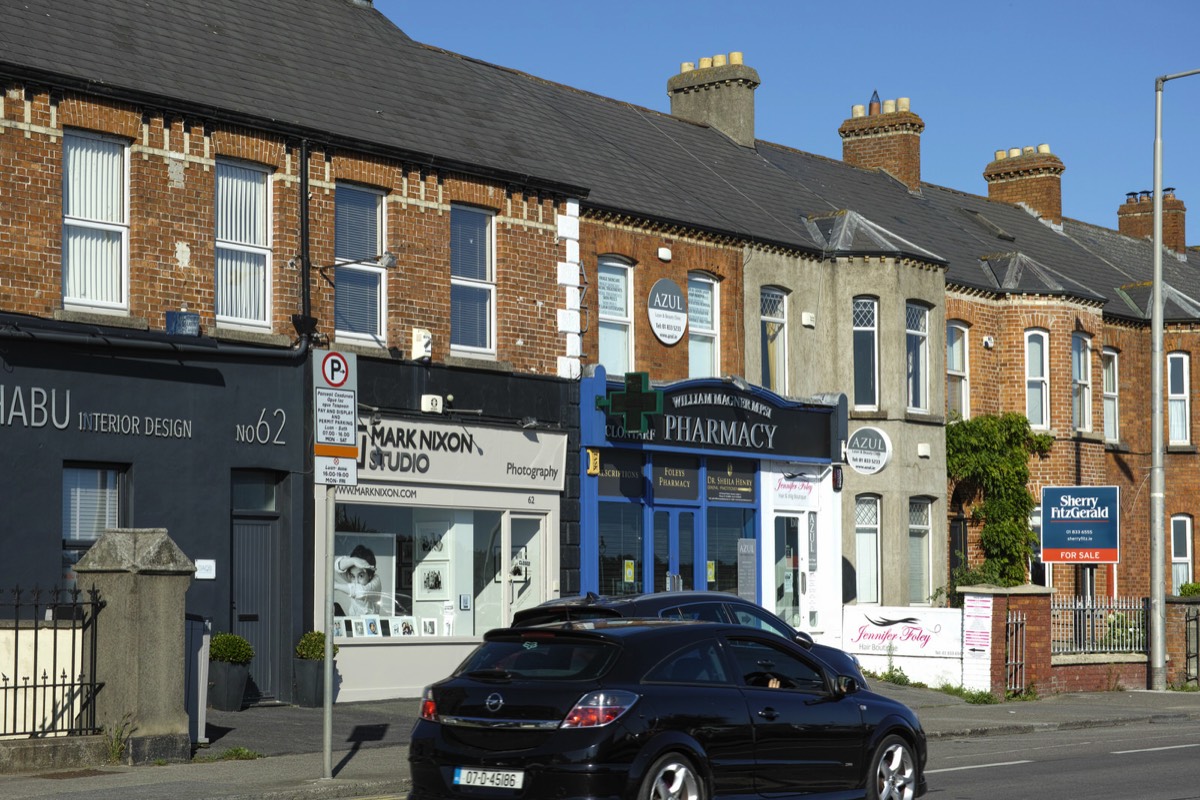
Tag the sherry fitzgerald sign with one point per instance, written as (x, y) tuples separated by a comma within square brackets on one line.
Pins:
[(707, 415)]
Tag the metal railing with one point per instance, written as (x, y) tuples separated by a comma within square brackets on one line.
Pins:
[(48, 663), (1098, 625), (1014, 652)]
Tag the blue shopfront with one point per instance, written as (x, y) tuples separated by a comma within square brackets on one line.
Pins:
[(680, 487)]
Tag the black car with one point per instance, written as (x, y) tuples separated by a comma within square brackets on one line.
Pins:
[(637, 709), (709, 606)]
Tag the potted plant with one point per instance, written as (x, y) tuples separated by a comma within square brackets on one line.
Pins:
[(229, 656), (308, 670)]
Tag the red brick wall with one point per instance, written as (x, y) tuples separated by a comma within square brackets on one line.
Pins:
[(640, 247), (1036, 608), (1099, 677), (1176, 639), (171, 216)]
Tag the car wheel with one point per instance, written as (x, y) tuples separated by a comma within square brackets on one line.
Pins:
[(672, 777), (893, 774)]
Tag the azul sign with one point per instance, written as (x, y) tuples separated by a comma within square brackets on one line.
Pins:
[(1081, 525), (868, 450), (667, 310)]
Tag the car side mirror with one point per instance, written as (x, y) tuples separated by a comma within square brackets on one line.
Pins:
[(804, 640), (846, 685)]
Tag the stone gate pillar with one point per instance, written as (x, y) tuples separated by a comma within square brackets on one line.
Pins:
[(142, 576)]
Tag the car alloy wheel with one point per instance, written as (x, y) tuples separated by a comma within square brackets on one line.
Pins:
[(672, 777), (894, 771)]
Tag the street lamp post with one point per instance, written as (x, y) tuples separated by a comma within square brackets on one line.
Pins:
[(1158, 612)]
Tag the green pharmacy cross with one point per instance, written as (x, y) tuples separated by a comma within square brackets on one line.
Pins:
[(637, 403)]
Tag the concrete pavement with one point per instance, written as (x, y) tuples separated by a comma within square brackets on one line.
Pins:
[(370, 745)]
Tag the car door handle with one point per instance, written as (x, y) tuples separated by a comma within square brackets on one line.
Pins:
[(769, 713)]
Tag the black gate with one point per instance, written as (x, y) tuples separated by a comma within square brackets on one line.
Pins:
[(48, 678)]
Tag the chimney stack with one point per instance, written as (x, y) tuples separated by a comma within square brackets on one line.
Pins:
[(1135, 217), (720, 94), (885, 135), (1028, 175)]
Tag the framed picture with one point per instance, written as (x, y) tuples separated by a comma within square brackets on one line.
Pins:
[(404, 626), (364, 574), (429, 626), (432, 582), (385, 626), (431, 544), (339, 628), (359, 628), (372, 626)]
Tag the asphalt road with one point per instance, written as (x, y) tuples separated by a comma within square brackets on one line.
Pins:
[(1143, 761)]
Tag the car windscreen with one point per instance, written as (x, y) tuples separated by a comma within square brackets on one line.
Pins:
[(550, 658)]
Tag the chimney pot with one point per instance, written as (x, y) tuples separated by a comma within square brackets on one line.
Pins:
[(1001, 155), (686, 66), (706, 62), (735, 57), (1028, 150), (1131, 197), (858, 111), (1013, 152), (873, 106), (1044, 149), (719, 60), (889, 106), (903, 104)]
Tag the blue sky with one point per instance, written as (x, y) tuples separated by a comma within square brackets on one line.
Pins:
[(983, 76)]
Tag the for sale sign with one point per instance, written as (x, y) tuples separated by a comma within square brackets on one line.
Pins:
[(1081, 525)]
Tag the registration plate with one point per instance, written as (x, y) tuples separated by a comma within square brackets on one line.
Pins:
[(494, 778)]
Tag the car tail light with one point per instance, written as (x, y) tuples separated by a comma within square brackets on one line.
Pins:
[(429, 706), (597, 709)]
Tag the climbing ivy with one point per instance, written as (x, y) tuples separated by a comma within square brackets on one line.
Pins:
[(987, 461)]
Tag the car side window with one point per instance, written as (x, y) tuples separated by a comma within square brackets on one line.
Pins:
[(698, 663), (753, 617), (709, 612), (763, 665)]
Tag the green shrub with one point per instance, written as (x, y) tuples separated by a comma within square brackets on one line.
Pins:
[(231, 648), (1189, 590), (311, 646)]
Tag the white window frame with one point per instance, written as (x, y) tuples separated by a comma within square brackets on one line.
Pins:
[(916, 356), (705, 282), (613, 319), (862, 532), (1179, 405), (1038, 379), (922, 530), (113, 222), (1182, 570), (486, 284), (873, 329), (1110, 376), (368, 270), (248, 244), (1081, 382), (773, 310), (958, 377), (1035, 525)]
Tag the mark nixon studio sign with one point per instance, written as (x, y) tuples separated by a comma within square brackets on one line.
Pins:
[(668, 313), (868, 450)]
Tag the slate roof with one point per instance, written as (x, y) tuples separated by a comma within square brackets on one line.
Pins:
[(341, 73)]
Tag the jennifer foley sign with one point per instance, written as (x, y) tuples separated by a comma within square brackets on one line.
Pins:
[(902, 631)]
